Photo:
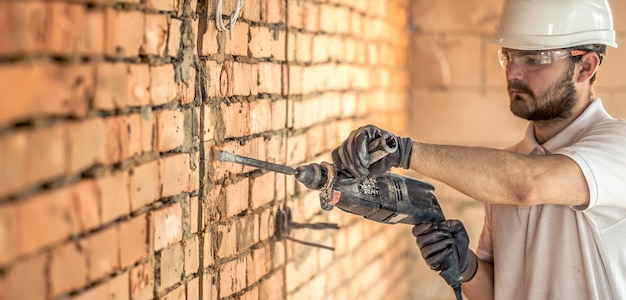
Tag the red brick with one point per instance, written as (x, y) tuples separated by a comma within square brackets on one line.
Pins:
[(133, 239), (111, 86), (273, 11), (144, 185), (146, 123), (174, 173), (238, 45), (187, 90), (172, 266), (173, 41), (262, 190), (68, 269), (236, 119), (102, 253), (227, 241), (8, 234), (86, 144), (224, 79), (27, 279), (138, 85), (86, 202), (124, 34), (47, 153), (237, 197), (141, 281), (14, 149), (191, 247), (134, 129), (64, 37), (170, 130), (259, 47), (162, 84), (66, 90), (167, 226), (16, 79), (45, 219), (23, 27), (155, 36), (232, 277), (114, 191), (163, 5)]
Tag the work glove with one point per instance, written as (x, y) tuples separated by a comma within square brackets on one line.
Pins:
[(445, 241), (353, 157)]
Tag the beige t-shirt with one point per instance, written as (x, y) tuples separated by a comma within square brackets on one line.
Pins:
[(563, 252)]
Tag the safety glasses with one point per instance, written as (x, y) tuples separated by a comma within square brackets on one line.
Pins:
[(529, 61)]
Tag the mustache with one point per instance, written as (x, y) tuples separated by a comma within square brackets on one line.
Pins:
[(520, 87)]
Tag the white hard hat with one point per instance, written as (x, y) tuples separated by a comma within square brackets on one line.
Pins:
[(552, 24)]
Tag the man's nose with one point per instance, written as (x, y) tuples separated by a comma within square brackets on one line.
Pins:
[(514, 71)]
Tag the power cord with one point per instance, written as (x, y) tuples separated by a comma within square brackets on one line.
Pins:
[(219, 23)]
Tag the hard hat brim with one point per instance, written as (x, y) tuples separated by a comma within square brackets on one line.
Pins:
[(547, 42)]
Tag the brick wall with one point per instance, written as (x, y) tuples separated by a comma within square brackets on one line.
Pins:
[(458, 96), (108, 114)]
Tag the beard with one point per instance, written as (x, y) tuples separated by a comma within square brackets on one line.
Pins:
[(556, 103)]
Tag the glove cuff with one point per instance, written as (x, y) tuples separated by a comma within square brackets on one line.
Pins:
[(471, 266), (405, 145)]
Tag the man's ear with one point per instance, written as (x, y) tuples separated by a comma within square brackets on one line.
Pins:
[(590, 63)]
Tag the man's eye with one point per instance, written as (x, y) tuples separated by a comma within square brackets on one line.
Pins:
[(532, 60)]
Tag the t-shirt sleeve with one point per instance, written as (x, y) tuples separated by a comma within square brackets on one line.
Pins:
[(600, 152), (485, 245)]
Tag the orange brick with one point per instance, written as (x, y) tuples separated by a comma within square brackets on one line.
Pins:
[(173, 41), (260, 116), (8, 234), (257, 264), (66, 90), (172, 266), (27, 279), (118, 287), (232, 277), (124, 34), (111, 86), (114, 191), (102, 253), (170, 130), (138, 85), (208, 38), (194, 207), (236, 119), (134, 133), (187, 87), (15, 79), (311, 17), (239, 44), (251, 10), (141, 281), (24, 27), (163, 87), (224, 79), (94, 31), (208, 251), (100, 291), (244, 79), (163, 5), (45, 219), (259, 47), (14, 149), (68, 269), (227, 240), (174, 173), (273, 11), (297, 150), (266, 225), (155, 36), (280, 115), (167, 226), (86, 201), (144, 185), (247, 231), (86, 144), (132, 240), (47, 153), (64, 37), (193, 289), (262, 189), (192, 255), (237, 197)]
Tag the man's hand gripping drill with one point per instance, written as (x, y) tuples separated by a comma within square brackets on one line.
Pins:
[(359, 183)]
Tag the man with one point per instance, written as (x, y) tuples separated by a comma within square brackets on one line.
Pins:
[(555, 213)]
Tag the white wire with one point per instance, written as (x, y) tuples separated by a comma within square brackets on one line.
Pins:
[(219, 23)]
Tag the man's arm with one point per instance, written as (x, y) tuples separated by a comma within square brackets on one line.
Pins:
[(481, 286), (503, 177)]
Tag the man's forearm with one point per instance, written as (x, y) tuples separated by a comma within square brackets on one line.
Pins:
[(502, 177)]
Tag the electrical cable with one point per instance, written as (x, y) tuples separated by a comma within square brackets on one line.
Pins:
[(219, 22)]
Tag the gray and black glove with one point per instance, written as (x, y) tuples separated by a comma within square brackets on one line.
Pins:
[(446, 240), (352, 155)]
